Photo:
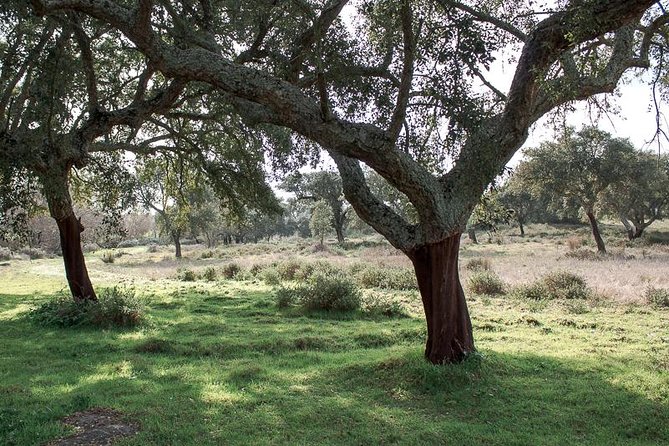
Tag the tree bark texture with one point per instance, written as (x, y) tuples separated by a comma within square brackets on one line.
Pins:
[(449, 328), (601, 248), (57, 194), (176, 236)]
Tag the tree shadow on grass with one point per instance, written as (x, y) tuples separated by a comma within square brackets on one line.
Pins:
[(310, 383)]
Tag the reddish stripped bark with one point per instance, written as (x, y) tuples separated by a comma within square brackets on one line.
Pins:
[(449, 328)]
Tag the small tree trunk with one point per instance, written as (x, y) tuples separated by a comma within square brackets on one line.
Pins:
[(471, 233), (56, 191), (176, 236), (339, 229), (449, 328), (601, 248), (522, 228)]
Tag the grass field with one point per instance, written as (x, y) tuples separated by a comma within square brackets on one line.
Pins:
[(217, 362)]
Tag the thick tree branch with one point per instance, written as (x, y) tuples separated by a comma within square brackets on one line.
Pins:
[(404, 91)]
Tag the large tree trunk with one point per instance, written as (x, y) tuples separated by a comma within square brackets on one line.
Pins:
[(339, 221), (595, 233), (449, 329), (57, 194)]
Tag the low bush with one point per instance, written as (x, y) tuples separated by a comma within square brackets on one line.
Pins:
[(478, 264), (271, 276), (322, 292), (387, 278), (108, 257), (658, 297), (486, 282), (115, 307), (566, 285), (129, 243), (152, 248), (288, 269), (33, 253), (5, 254), (209, 274), (231, 270), (382, 305), (208, 254), (186, 275), (330, 293), (554, 286)]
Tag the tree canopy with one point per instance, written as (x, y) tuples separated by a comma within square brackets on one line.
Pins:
[(401, 87)]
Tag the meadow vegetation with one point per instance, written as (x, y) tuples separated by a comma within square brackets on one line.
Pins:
[(278, 343)]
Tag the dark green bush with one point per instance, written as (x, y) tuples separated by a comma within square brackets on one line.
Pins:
[(566, 285), (286, 297), (289, 269), (209, 274), (486, 282), (554, 286), (187, 275), (230, 270), (658, 297), (330, 293), (382, 305), (115, 307), (387, 278)]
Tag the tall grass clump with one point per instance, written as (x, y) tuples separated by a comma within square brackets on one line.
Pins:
[(486, 282), (115, 307), (231, 270), (209, 274)]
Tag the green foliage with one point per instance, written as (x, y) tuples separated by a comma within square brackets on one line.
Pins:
[(558, 285), (658, 297), (231, 270), (489, 213), (270, 276), (371, 276), (381, 304), (486, 282), (290, 269), (322, 292), (115, 307), (209, 274), (5, 254), (186, 275), (320, 223)]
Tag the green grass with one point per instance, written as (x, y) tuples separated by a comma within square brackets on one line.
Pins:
[(219, 363)]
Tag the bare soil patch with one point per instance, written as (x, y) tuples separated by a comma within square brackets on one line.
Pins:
[(96, 427)]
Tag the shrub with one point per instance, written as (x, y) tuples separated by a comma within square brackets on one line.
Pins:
[(187, 275), (128, 243), (257, 268), (271, 276), (152, 248), (115, 307), (230, 270), (388, 278), (533, 291), (330, 293), (209, 274), (108, 257), (288, 269), (383, 305), (658, 297), (478, 264), (486, 282), (555, 285), (305, 272), (5, 254), (584, 254), (286, 297), (33, 253), (566, 285), (208, 254)]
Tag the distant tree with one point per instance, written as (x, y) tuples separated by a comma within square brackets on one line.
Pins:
[(321, 220), (488, 215), (640, 197), (577, 169), (326, 186)]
